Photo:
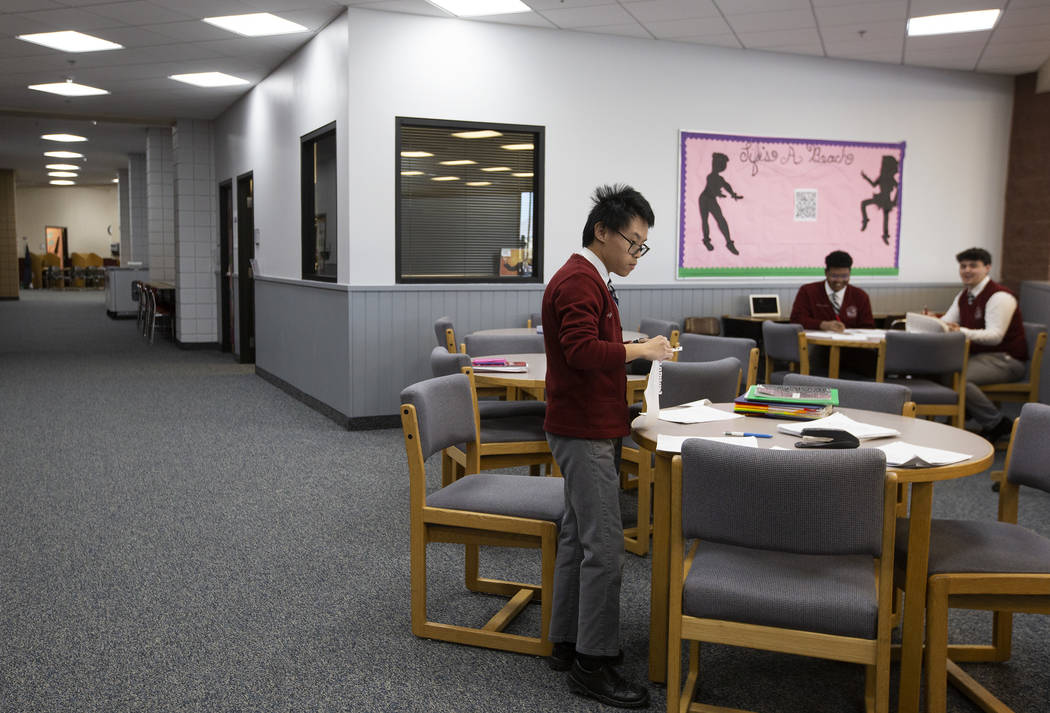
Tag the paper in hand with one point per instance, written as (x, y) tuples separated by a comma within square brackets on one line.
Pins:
[(652, 393)]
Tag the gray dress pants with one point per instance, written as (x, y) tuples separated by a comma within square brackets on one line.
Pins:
[(988, 368), (587, 572)]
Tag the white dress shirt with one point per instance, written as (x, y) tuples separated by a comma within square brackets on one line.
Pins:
[(841, 294), (593, 259), (998, 312)]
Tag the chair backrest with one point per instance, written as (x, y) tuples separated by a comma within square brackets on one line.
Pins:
[(925, 352), (1035, 335), (443, 362), (1029, 462), (654, 327), (444, 410), (689, 381), (699, 347), (479, 345), (780, 340), (535, 319), (803, 501), (441, 327), (870, 395)]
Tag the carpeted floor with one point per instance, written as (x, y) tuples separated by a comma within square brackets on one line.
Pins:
[(176, 534)]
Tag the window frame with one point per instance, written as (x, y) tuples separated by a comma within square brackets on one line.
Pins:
[(538, 200), (307, 236)]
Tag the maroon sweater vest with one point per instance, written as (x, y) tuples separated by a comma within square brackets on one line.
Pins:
[(971, 316)]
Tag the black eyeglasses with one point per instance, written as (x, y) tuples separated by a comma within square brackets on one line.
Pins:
[(636, 249)]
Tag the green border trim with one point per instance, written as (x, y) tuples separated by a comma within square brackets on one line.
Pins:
[(778, 271)]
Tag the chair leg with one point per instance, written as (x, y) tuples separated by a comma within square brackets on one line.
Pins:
[(418, 575), (1002, 634), (936, 647)]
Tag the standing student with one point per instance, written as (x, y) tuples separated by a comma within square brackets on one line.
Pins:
[(833, 304), (988, 314), (587, 416)]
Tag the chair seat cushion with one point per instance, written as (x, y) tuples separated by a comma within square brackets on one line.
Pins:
[(536, 497), (926, 391), (979, 546), (503, 409), (830, 594), (511, 429)]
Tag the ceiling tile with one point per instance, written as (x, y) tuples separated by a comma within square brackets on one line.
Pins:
[(921, 8), (656, 10), (874, 33), (696, 27), (11, 6), (412, 7), (70, 19), (1017, 49), (968, 41), (786, 38), (526, 19), (590, 16), (631, 30), (136, 37), (137, 13), (772, 21), (190, 31), (1022, 33), (1011, 65), (557, 4), (1021, 17), (862, 13), (727, 40), (206, 8), (742, 7)]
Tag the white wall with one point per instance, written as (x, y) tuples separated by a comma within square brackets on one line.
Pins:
[(261, 133), (612, 108), (87, 211)]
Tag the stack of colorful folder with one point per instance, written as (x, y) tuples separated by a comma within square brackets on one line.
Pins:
[(787, 402)]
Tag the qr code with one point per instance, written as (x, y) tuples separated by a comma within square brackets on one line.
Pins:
[(805, 204)]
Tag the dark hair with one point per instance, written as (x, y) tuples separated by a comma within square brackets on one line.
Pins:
[(614, 207), (979, 254), (838, 258)]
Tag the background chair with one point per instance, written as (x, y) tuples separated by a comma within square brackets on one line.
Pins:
[(482, 509), (445, 333), (991, 565), (697, 347), (156, 310), (784, 344), (711, 326), (479, 345), (943, 356), (813, 579), (444, 362), (870, 395), (652, 328), (1028, 388)]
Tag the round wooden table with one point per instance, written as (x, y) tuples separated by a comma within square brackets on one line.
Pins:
[(628, 335), (533, 381), (835, 341), (913, 430)]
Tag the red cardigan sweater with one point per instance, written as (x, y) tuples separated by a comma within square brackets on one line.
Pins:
[(586, 373), (812, 307)]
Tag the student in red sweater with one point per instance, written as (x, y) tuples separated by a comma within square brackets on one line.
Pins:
[(587, 416), (833, 304)]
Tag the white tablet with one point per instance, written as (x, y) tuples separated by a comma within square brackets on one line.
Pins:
[(764, 305)]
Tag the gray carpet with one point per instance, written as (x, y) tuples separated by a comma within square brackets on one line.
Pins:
[(176, 534)]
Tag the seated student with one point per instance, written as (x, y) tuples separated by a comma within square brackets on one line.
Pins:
[(988, 314), (832, 304)]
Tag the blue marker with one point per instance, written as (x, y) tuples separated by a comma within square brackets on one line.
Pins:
[(744, 433)]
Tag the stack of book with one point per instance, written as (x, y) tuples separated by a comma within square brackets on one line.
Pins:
[(800, 403), (499, 365)]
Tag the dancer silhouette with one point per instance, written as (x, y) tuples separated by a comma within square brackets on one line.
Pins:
[(886, 197), (709, 201)]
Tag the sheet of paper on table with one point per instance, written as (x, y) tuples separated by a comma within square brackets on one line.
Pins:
[(908, 455), (696, 412), (842, 422), (673, 444), (850, 335)]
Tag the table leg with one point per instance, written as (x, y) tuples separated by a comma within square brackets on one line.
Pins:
[(915, 596), (658, 593), (833, 361)]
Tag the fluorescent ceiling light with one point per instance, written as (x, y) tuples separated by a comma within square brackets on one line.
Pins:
[(522, 175), (952, 22), (62, 174), (63, 154), (68, 138), (70, 41), (209, 79), (62, 183), (68, 89), (479, 183), (62, 167), (256, 24), (116, 180), (411, 173), (483, 134), (473, 8), (496, 168), (517, 147), (458, 162), (445, 178), (415, 154)]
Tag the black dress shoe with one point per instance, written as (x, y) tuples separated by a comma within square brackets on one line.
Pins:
[(999, 431), (605, 684), (564, 654)]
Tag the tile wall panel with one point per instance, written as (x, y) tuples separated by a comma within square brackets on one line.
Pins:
[(138, 213), (160, 196), (196, 232)]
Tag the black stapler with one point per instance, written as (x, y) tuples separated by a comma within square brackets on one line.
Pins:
[(827, 438)]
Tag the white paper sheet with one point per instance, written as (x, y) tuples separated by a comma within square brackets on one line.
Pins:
[(673, 444), (696, 412), (842, 422), (652, 393), (908, 455)]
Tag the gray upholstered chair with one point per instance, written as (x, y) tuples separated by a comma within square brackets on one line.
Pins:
[(1027, 389), (444, 362), (994, 565), (653, 328), (479, 509), (870, 395), (445, 333), (911, 356), (699, 347), (479, 345), (783, 345), (813, 579)]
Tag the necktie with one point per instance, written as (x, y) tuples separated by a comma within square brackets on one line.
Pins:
[(835, 303), (612, 291), (969, 298)]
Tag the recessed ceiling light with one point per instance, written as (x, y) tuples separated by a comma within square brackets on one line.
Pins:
[(67, 138), (522, 175), (496, 168), (62, 167), (445, 178), (62, 174), (70, 41), (68, 89), (256, 24), (472, 8), (63, 154), (209, 79), (411, 173), (458, 162), (479, 183), (952, 22), (483, 134), (517, 147), (62, 183), (116, 180), (415, 154)]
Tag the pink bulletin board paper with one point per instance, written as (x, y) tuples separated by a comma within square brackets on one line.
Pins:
[(786, 203)]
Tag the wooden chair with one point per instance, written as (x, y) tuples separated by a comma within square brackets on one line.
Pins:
[(652, 328), (913, 355), (813, 579), (1028, 389), (870, 395), (710, 326), (479, 345), (445, 333), (444, 362), (990, 565), (698, 347), (784, 342), (481, 509), (682, 382)]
